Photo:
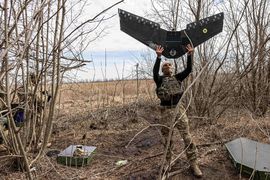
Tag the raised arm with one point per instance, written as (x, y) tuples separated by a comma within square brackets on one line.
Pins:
[(159, 51), (182, 75)]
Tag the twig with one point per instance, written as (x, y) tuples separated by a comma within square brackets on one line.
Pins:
[(208, 152), (152, 156), (176, 172), (173, 162), (212, 143), (10, 156), (89, 20)]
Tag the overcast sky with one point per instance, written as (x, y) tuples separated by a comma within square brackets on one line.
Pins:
[(121, 49), (116, 40)]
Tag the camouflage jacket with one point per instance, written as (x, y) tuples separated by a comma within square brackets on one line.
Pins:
[(170, 87), (36, 99)]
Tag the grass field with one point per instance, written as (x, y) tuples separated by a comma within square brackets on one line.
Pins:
[(105, 94)]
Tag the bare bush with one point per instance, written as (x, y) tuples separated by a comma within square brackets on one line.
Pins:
[(40, 41)]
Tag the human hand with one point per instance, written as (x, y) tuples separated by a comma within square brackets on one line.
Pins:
[(190, 49), (159, 50)]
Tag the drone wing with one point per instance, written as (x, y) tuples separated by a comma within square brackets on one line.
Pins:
[(144, 30), (204, 29)]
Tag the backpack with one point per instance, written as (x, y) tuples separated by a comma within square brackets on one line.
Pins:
[(168, 88)]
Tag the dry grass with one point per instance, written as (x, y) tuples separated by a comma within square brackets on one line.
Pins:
[(85, 96), (110, 120)]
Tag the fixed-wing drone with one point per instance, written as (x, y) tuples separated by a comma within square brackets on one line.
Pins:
[(174, 42)]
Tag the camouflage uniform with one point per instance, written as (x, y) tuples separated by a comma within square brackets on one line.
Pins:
[(169, 92), (3, 129), (38, 99), (183, 128)]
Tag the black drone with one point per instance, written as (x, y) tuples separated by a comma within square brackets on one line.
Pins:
[(174, 42)]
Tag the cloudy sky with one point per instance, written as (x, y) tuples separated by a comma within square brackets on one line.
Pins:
[(115, 39), (121, 49)]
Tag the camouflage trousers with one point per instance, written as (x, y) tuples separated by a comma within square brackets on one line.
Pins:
[(182, 125), (3, 130)]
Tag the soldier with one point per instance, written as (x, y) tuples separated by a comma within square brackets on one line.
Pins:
[(3, 129), (36, 99), (168, 90)]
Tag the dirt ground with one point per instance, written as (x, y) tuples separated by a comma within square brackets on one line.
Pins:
[(111, 129)]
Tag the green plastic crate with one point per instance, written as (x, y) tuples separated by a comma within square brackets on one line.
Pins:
[(250, 157), (66, 156)]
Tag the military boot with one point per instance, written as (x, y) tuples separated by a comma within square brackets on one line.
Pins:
[(195, 169)]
